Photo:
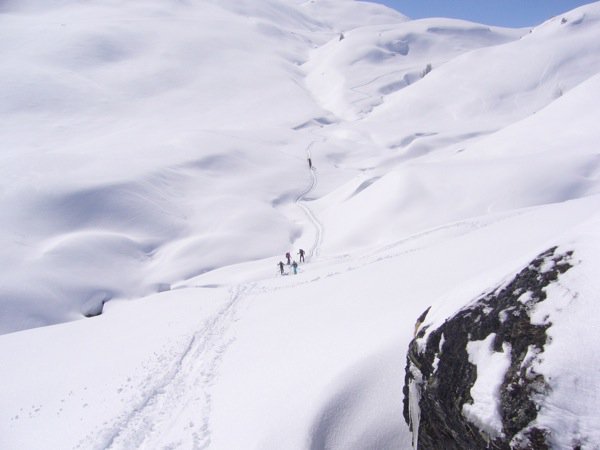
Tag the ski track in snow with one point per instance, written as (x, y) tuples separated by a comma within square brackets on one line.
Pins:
[(348, 263), (169, 402), (300, 201), (179, 404)]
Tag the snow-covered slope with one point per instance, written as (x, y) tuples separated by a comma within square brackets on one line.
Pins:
[(486, 131), (123, 124), (352, 74), (153, 167)]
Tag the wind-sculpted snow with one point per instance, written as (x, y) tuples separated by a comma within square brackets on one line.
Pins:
[(130, 121), (351, 76), (491, 121), (136, 120), (153, 172)]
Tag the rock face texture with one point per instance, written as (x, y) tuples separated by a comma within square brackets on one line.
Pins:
[(450, 401)]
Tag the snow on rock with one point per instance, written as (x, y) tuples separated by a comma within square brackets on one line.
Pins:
[(570, 363), (506, 368), (491, 367)]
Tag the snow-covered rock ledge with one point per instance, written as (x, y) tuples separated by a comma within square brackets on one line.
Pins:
[(516, 368)]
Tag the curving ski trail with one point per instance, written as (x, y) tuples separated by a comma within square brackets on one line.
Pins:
[(174, 407), (300, 201), (174, 411)]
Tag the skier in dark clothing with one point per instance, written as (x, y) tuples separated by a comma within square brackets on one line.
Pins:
[(280, 264), (289, 258), (295, 267), (301, 253), (309, 163)]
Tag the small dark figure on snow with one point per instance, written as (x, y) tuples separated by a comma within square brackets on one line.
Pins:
[(280, 264), (289, 258), (309, 163), (295, 267), (301, 253)]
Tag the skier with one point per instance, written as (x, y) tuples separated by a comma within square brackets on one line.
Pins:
[(289, 258), (280, 264), (301, 253), (309, 163), (295, 267)]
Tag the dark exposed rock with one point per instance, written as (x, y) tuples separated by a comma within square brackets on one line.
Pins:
[(441, 376)]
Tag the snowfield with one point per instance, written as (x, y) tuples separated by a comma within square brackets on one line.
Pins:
[(153, 158)]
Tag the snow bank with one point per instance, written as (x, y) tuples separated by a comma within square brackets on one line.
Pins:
[(570, 362), (155, 152)]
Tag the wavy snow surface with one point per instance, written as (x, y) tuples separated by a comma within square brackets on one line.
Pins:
[(154, 164)]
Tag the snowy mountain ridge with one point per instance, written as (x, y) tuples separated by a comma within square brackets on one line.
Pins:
[(154, 170)]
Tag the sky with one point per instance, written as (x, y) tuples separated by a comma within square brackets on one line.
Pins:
[(508, 13)]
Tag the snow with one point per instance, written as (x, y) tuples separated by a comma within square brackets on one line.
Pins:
[(154, 164), (491, 367), (570, 360)]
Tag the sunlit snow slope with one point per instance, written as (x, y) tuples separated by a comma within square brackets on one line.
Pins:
[(154, 168), (146, 142)]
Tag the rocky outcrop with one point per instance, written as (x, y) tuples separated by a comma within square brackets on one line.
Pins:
[(442, 404)]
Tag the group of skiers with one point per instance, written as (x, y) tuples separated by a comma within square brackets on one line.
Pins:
[(293, 264), (288, 256)]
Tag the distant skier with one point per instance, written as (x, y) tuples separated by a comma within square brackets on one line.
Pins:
[(280, 264), (309, 163), (289, 258), (295, 267), (301, 253)]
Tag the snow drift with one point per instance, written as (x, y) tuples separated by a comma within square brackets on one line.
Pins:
[(153, 173)]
